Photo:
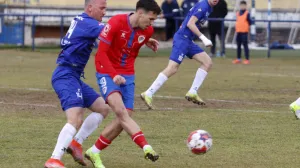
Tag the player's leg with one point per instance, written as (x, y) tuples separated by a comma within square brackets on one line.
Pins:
[(112, 94), (95, 103), (206, 63), (115, 128), (180, 48), (295, 108), (246, 48), (70, 95), (239, 49), (129, 125)]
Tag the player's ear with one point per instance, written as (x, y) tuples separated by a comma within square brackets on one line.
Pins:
[(140, 12), (90, 8)]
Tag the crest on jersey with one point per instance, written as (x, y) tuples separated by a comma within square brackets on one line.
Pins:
[(123, 35), (141, 39), (106, 30)]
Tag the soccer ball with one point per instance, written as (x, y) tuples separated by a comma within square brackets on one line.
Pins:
[(199, 142)]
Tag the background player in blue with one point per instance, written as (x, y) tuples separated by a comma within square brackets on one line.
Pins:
[(184, 46), (73, 93)]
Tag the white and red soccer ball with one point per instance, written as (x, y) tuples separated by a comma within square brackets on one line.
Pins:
[(199, 142)]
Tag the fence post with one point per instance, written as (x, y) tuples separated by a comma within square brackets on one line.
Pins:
[(33, 33), (269, 39), (61, 27), (222, 39), (23, 41), (269, 26)]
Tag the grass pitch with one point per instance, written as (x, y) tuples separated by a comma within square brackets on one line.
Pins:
[(246, 113)]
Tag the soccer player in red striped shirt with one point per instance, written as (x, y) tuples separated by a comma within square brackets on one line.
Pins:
[(120, 42)]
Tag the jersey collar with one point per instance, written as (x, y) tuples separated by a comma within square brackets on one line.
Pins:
[(128, 21)]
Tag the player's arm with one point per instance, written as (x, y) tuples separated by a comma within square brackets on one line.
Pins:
[(107, 35), (151, 43), (92, 29), (193, 27)]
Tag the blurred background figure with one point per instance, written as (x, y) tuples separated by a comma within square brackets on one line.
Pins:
[(215, 27), (170, 11), (242, 26), (187, 5)]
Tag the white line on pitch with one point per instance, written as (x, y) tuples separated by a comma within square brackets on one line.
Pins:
[(158, 96), (29, 104), (146, 109), (274, 75)]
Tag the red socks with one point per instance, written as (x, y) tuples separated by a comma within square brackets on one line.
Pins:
[(102, 143), (139, 139)]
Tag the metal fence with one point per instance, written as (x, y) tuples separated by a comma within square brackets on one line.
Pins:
[(24, 18)]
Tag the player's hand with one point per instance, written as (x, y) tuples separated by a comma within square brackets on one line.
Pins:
[(206, 41), (118, 79), (152, 44)]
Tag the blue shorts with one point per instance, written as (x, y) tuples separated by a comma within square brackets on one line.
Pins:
[(182, 47), (107, 87), (71, 91)]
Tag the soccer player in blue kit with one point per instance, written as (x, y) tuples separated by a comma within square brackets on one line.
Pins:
[(73, 93), (183, 45)]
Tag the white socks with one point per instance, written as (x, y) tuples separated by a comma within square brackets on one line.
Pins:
[(298, 101), (95, 149), (159, 81), (89, 125), (199, 78), (64, 139)]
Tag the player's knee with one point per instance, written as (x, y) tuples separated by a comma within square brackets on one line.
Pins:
[(170, 70), (207, 64), (76, 123), (104, 110), (121, 112)]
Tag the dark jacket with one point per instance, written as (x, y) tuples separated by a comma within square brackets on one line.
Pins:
[(170, 10), (219, 11), (187, 5)]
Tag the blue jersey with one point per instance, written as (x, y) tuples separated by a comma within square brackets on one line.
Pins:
[(79, 41), (201, 10)]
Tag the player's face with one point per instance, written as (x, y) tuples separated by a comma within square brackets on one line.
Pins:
[(169, 1), (146, 19), (98, 9), (214, 2), (243, 7)]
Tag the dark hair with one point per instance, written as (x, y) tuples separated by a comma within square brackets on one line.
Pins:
[(148, 5), (243, 3)]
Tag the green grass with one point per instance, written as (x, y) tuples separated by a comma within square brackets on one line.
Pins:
[(252, 127)]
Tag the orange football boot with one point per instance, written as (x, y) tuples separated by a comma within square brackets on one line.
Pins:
[(54, 163), (75, 149)]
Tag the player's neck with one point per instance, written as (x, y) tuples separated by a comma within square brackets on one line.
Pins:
[(133, 20), (210, 3)]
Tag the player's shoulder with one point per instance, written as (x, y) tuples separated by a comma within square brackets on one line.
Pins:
[(149, 30), (119, 18), (86, 19), (202, 5)]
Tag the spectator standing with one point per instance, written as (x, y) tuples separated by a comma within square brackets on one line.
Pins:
[(170, 11), (215, 27)]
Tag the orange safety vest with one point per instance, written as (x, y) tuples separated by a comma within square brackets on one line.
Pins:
[(242, 25)]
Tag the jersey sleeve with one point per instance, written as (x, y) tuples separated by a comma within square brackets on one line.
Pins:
[(149, 34), (199, 13), (109, 31), (92, 30), (106, 37)]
